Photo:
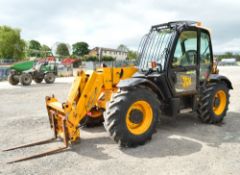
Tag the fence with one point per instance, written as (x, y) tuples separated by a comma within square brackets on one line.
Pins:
[(6, 61), (4, 71), (90, 65), (65, 70)]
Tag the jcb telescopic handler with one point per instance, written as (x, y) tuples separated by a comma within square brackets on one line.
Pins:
[(175, 72)]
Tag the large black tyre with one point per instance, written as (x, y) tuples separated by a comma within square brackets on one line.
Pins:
[(38, 80), (49, 78), (12, 80), (213, 104), (127, 120), (26, 79)]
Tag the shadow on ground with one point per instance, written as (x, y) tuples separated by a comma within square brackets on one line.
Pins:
[(91, 148), (184, 136)]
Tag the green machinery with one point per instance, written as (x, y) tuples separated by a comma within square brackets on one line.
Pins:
[(25, 72)]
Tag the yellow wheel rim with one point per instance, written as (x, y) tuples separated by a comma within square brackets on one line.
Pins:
[(145, 110), (219, 102)]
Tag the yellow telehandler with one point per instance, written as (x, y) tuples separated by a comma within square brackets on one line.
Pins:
[(175, 71)]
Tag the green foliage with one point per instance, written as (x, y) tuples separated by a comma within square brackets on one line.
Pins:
[(228, 55), (74, 56), (45, 51), (11, 44), (132, 55), (34, 45), (108, 58), (89, 58), (94, 58), (123, 48), (45, 48), (33, 49), (62, 50), (80, 49)]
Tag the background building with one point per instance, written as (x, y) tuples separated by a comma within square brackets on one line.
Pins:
[(101, 52)]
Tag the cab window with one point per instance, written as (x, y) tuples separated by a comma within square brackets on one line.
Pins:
[(205, 55), (186, 49)]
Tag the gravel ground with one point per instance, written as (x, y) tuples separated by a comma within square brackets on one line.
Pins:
[(181, 146)]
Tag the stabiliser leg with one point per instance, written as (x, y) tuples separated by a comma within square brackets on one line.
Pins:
[(52, 151)]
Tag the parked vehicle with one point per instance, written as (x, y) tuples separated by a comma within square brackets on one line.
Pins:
[(25, 72)]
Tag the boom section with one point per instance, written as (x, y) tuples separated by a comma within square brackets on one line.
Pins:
[(90, 89)]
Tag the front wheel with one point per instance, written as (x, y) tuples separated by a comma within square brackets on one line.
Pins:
[(214, 101), (12, 80), (131, 116), (93, 119)]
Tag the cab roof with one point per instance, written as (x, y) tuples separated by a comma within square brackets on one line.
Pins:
[(177, 24)]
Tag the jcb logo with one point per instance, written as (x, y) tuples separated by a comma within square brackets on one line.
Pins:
[(186, 81)]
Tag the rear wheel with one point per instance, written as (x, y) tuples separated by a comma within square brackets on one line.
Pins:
[(49, 78), (92, 120), (26, 79), (214, 103), (131, 116), (12, 80)]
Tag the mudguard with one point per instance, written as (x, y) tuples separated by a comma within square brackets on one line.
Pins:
[(217, 78), (133, 82)]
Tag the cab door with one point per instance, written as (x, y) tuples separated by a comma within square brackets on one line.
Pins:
[(206, 56), (183, 64)]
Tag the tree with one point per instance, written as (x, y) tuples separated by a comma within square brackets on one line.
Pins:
[(62, 50), (228, 55), (11, 44), (132, 55), (34, 45), (45, 48), (45, 51), (34, 49), (80, 49), (122, 48)]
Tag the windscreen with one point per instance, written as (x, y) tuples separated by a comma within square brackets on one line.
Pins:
[(154, 47)]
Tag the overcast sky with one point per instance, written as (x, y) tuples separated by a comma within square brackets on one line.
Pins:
[(109, 23)]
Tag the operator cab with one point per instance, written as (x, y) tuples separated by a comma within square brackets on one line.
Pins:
[(179, 53)]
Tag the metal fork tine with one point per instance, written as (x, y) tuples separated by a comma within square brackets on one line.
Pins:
[(65, 139), (30, 144), (39, 155)]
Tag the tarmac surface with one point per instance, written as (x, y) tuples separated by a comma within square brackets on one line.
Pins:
[(181, 146)]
